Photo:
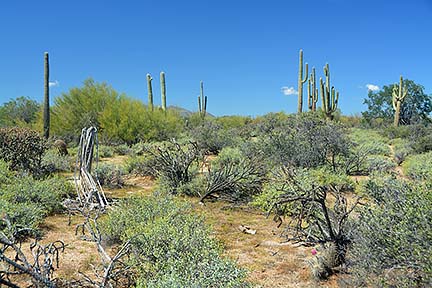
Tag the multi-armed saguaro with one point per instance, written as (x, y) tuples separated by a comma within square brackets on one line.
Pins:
[(202, 101), (150, 92), (399, 94), (301, 81), (312, 91), (329, 96), (163, 90), (46, 110)]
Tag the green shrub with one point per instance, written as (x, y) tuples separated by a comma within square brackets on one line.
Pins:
[(105, 151), (370, 140), (21, 215), (393, 236), (122, 149), (379, 163), (109, 175), (212, 137), (419, 166), (6, 175), (235, 177), (170, 246), (22, 148), (47, 194), (53, 162)]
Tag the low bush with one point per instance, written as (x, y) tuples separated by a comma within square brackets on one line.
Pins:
[(171, 247), (122, 149), (379, 163), (53, 162), (393, 236), (235, 177), (371, 140), (22, 148), (419, 166), (109, 175), (105, 151)]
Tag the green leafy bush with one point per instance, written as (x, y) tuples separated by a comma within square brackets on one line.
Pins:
[(419, 166), (212, 137), (379, 163), (53, 162), (393, 236), (235, 177), (22, 148), (122, 149), (371, 140), (109, 175), (170, 246), (105, 151)]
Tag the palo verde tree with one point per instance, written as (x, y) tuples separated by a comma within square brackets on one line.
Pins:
[(416, 107), (21, 111)]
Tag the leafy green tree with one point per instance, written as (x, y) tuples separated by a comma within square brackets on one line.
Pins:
[(415, 108), (81, 107), (21, 111)]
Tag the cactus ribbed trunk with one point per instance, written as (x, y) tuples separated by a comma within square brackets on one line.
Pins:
[(399, 95), (202, 101), (329, 96), (301, 81), (46, 110), (150, 92), (312, 91), (163, 90)]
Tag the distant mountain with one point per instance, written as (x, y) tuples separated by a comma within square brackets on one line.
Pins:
[(184, 112)]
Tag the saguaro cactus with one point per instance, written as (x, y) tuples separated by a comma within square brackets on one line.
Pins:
[(163, 90), (301, 81), (46, 110), (399, 94), (312, 91), (150, 92), (202, 101), (329, 96)]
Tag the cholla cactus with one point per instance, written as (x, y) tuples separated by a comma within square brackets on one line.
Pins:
[(399, 94)]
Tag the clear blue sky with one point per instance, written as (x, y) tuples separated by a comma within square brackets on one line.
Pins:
[(245, 51)]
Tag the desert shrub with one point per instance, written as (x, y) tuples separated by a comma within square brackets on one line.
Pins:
[(419, 166), (392, 132), (47, 194), (235, 177), (175, 165), (105, 151), (53, 162), (393, 235), (379, 163), (370, 140), (122, 149), (22, 148), (21, 215), (302, 141), (421, 138), (212, 137), (171, 247), (318, 208), (401, 149), (6, 175), (141, 165), (109, 175)]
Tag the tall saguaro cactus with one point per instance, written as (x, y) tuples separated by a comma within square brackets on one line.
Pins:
[(329, 96), (46, 110), (163, 90), (301, 81), (202, 101), (150, 92), (399, 94), (312, 91)]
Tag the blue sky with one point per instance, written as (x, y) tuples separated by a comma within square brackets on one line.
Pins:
[(245, 51)]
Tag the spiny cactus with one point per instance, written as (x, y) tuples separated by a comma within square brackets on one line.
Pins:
[(399, 94), (301, 81), (46, 110), (329, 96), (202, 101), (312, 91), (150, 92), (163, 90)]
